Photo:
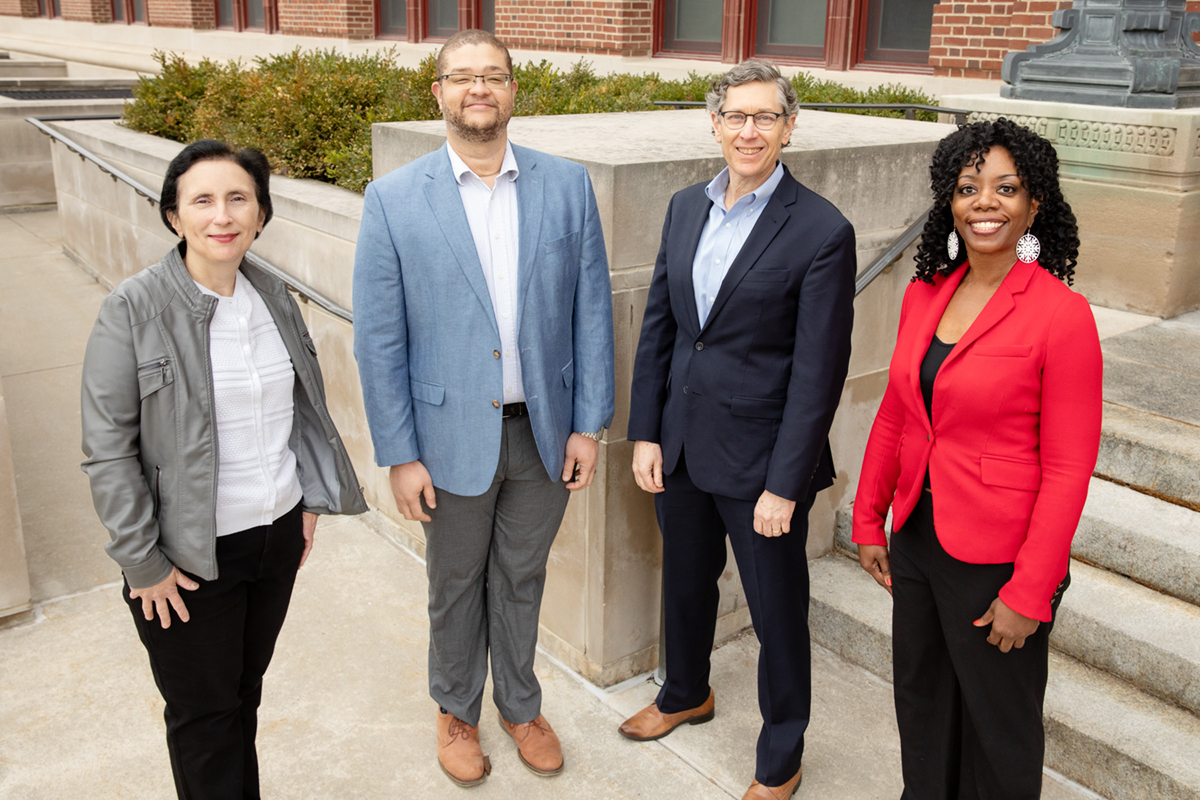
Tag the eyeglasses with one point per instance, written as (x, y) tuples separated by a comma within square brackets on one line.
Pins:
[(736, 120), (496, 80)]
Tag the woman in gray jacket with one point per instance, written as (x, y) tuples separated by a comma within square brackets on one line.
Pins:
[(210, 454)]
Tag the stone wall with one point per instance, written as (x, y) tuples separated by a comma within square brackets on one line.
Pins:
[(608, 27), (14, 574)]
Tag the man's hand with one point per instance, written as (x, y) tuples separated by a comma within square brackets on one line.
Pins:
[(164, 592), (874, 559), (1009, 628), (773, 514), (580, 466), (409, 482), (308, 524), (648, 466)]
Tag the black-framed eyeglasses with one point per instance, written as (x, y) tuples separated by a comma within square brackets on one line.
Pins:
[(495, 80), (736, 120)]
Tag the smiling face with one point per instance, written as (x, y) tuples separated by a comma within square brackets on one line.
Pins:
[(218, 214), (991, 207), (750, 153), (476, 112)]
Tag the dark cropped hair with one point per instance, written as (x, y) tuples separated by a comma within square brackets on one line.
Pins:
[(249, 159), (1037, 166)]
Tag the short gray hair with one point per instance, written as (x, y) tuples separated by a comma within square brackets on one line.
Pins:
[(753, 70)]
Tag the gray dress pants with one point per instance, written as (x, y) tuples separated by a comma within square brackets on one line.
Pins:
[(486, 561)]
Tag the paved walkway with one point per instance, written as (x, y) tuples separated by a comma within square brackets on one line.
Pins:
[(345, 711)]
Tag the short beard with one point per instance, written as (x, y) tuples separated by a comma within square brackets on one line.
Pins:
[(476, 134)]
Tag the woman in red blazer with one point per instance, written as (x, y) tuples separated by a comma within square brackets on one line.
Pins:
[(983, 447)]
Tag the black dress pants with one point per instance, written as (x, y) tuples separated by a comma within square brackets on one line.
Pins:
[(970, 716), (209, 670), (774, 572)]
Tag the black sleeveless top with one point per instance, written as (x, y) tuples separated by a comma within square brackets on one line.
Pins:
[(934, 356)]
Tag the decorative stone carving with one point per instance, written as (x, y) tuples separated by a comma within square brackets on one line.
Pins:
[(1132, 53), (1113, 137)]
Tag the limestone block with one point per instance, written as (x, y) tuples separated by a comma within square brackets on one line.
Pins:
[(14, 574)]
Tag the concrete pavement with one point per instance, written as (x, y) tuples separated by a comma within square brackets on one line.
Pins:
[(345, 711)]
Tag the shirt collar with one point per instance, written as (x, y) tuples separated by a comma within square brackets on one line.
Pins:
[(239, 288), (717, 186), (508, 167)]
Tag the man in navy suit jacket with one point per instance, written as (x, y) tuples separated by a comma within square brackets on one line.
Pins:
[(484, 336), (744, 349)]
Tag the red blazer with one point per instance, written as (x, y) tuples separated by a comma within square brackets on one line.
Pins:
[(1015, 433)]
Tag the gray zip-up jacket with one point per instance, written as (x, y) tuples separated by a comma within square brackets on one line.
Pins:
[(150, 432)]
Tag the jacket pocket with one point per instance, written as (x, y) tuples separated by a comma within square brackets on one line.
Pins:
[(430, 393), (562, 243), (1002, 350), (767, 275), (568, 373), (154, 375), (308, 342), (1010, 473), (758, 407), (157, 490)]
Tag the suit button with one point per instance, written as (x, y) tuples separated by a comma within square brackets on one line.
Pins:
[(699, 345), (496, 353), (495, 404), (685, 390), (928, 438)]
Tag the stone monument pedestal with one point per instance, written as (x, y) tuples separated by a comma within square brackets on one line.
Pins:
[(1132, 177)]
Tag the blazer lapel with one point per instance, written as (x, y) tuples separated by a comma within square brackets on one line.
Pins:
[(997, 308), (441, 190), (530, 202), (923, 336), (773, 216), (679, 264)]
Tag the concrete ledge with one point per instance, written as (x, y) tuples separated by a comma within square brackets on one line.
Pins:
[(1133, 632), (1153, 454), (1154, 542), (14, 573), (1100, 731)]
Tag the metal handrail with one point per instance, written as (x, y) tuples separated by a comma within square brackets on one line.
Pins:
[(305, 291), (885, 259), (910, 109)]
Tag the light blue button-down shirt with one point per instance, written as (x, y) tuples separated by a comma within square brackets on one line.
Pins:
[(724, 234)]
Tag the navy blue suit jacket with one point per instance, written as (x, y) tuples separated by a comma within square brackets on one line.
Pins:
[(751, 395)]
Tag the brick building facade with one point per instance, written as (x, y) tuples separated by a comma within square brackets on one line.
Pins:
[(966, 38)]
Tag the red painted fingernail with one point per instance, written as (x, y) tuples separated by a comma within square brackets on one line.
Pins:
[(889, 580)]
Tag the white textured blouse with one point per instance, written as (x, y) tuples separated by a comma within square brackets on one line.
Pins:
[(253, 380)]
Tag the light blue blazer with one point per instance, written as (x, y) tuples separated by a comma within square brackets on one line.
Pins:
[(425, 331)]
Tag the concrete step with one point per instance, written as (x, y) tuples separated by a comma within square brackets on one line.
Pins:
[(1133, 632), (1151, 453), (1102, 732), (1154, 542)]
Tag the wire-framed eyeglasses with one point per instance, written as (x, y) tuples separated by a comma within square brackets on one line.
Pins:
[(736, 120), (494, 80)]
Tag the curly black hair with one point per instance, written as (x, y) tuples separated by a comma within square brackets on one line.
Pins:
[(1037, 166)]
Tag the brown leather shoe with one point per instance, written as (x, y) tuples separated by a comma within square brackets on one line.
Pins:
[(650, 723), (537, 745), (459, 753), (759, 792)]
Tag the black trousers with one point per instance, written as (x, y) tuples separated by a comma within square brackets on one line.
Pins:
[(209, 670), (970, 716), (774, 572)]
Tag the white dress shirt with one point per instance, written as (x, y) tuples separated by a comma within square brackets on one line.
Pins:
[(492, 215), (253, 380)]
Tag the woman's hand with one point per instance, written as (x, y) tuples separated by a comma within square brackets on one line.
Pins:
[(1009, 628), (874, 559), (309, 525), (163, 592)]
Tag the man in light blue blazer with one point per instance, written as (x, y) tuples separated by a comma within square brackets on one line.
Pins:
[(484, 336)]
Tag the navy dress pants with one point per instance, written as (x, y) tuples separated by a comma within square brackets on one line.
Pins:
[(970, 716), (774, 572), (209, 670)]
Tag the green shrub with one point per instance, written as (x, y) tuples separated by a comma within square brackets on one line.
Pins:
[(311, 112)]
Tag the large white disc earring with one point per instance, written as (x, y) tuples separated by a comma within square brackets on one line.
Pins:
[(1028, 248), (952, 244)]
